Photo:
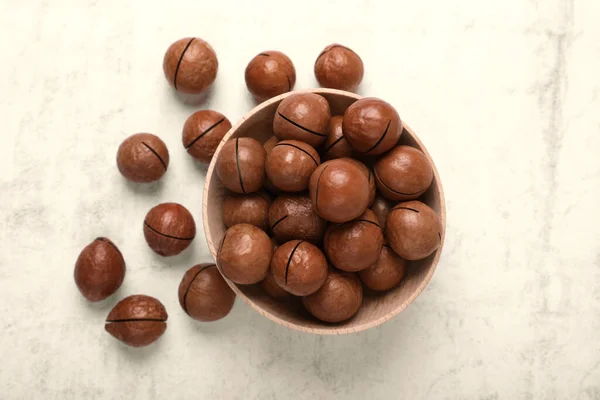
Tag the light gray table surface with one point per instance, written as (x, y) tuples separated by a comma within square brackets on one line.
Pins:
[(504, 94)]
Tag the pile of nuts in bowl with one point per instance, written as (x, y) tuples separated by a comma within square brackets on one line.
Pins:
[(297, 226)]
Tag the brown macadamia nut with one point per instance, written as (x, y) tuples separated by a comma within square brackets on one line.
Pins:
[(293, 217), (269, 74), (371, 126), (299, 267), (250, 209), (304, 117), (339, 190), (190, 65), (338, 299), (290, 164), (381, 207), (204, 295), (403, 174), (335, 144), (413, 230), (269, 144), (272, 288), (202, 133), (367, 171), (339, 67), (241, 165), (354, 245), (137, 320), (245, 254), (386, 273), (143, 158), (169, 228), (99, 270)]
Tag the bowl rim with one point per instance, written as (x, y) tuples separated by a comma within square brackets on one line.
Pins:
[(333, 330)]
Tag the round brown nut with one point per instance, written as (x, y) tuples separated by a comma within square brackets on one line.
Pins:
[(386, 273), (371, 126), (269, 74), (202, 133), (403, 174), (272, 288), (143, 158), (338, 299), (413, 230), (304, 117), (335, 144), (299, 267), (269, 144), (293, 217), (190, 65), (338, 67), (137, 320), (250, 208), (244, 254), (241, 165), (381, 207), (367, 171), (204, 295), (169, 228), (99, 270), (339, 190), (354, 245), (290, 164)]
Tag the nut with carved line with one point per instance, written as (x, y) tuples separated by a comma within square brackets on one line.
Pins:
[(241, 165), (204, 295), (403, 173), (202, 133), (299, 267), (137, 320), (304, 117), (413, 230), (143, 158), (290, 164), (190, 65), (336, 145), (169, 228), (269, 74), (292, 216), (354, 245), (371, 126)]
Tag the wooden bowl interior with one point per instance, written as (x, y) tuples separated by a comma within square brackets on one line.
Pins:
[(377, 307)]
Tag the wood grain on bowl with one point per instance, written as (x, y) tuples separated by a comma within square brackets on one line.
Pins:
[(376, 308)]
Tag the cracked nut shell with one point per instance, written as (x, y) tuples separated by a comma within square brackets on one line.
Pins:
[(290, 163), (137, 320), (339, 190), (403, 174), (190, 65), (299, 267), (293, 217), (143, 158), (202, 133), (304, 117), (204, 295), (269, 74), (241, 165), (169, 228), (354, 245), (99, 270), (245, 254), (413, 230), (338, 299), (339, 67), (386, 273), (371, 126)]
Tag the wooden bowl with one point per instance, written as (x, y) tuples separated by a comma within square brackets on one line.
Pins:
[(377, 307)]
